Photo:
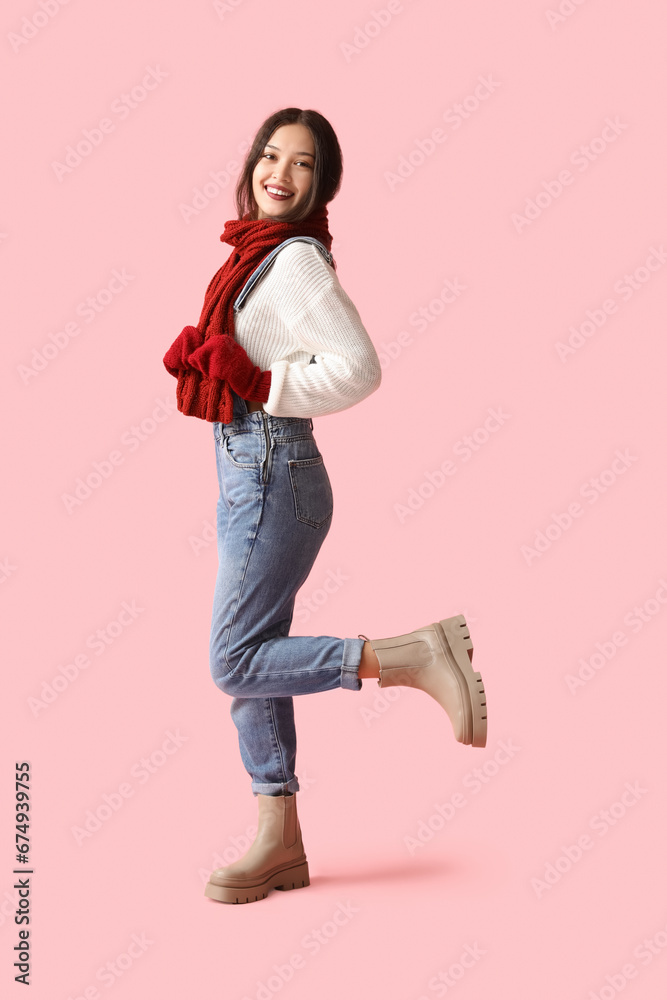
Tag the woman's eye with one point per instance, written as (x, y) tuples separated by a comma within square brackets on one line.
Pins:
[(300, 163)]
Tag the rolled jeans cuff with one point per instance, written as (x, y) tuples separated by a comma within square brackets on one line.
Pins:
[(275, 787), (349, 677)]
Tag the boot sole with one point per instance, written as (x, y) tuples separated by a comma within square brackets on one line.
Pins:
[(454, 636), (288, 878)]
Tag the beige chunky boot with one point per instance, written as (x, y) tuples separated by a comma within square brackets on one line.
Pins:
[(276, 859), (436, 659)]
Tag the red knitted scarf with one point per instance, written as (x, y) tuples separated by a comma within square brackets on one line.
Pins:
[(252, 239)]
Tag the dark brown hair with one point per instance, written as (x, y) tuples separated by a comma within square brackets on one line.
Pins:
[(327, 170)]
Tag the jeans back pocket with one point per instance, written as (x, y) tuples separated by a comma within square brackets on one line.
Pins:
[(313, 496)]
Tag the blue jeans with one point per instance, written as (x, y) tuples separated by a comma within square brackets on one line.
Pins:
[(274, 512)]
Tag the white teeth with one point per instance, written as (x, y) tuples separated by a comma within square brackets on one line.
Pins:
[(277, 191)]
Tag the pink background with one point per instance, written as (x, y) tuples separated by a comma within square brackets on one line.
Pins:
[(394, 919)]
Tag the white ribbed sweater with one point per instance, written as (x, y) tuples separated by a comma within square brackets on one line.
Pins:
[(299, 309)]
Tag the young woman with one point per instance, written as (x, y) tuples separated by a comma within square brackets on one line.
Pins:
[(292, 348)]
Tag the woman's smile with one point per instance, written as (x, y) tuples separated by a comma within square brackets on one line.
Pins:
[(278, 192), (283, 175)]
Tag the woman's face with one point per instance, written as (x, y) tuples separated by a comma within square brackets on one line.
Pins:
[(284, 173)]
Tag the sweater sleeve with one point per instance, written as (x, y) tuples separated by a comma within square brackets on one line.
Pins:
[(345, 369)]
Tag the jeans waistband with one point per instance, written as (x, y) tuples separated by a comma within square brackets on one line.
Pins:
[(248, 420)]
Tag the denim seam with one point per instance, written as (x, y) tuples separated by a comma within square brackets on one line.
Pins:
[(237, 598), (350, 667), (292, 673), (276, 741)]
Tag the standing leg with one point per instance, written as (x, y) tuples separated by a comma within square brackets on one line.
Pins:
[(267, 741), (272, 519), (270, 761)]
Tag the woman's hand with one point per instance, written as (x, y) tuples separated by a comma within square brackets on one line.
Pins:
[(176, 358), (222, 357)]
